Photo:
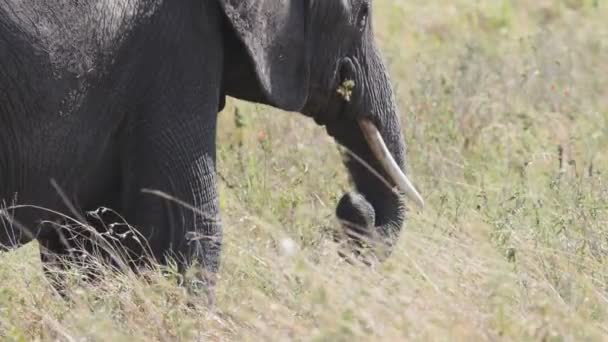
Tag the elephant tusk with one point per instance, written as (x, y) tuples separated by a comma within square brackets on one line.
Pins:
[(381, 152)]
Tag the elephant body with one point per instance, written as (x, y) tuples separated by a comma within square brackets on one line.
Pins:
[(93, 93), (102, 99)]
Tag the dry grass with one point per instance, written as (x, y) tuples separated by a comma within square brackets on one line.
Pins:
[(505, 105)]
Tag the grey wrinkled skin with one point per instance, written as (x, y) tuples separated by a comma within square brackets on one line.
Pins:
[(101, 99)]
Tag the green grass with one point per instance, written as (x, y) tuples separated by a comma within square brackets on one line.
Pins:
[(505, 106)]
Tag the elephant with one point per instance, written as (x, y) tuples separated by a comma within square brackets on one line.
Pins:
[(109, 103)]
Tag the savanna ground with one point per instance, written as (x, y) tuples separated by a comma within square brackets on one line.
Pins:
[(505, 109)]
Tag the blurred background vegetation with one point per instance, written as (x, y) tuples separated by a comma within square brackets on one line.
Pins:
[(505, 109)]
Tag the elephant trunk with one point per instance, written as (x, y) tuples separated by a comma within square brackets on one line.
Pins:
[(375, 160)]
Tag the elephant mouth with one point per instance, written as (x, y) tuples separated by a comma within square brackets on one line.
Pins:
[(395, 178), (388, 163), (347, 104), (351, 90)]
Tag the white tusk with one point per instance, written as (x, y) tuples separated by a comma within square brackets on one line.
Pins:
[(381, 152)]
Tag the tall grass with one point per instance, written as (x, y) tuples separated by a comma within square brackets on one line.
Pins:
[(505, 108)]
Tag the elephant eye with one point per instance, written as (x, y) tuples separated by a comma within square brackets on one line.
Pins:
[(363, 15)]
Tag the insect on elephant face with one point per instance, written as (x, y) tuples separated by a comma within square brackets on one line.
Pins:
[(319, 57)]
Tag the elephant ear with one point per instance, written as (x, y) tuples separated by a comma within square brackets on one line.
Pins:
[(273, 34)]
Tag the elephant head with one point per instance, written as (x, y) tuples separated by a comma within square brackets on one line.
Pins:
[(319, 58)]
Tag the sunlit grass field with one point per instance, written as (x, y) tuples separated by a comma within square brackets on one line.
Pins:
[(505, 111)]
